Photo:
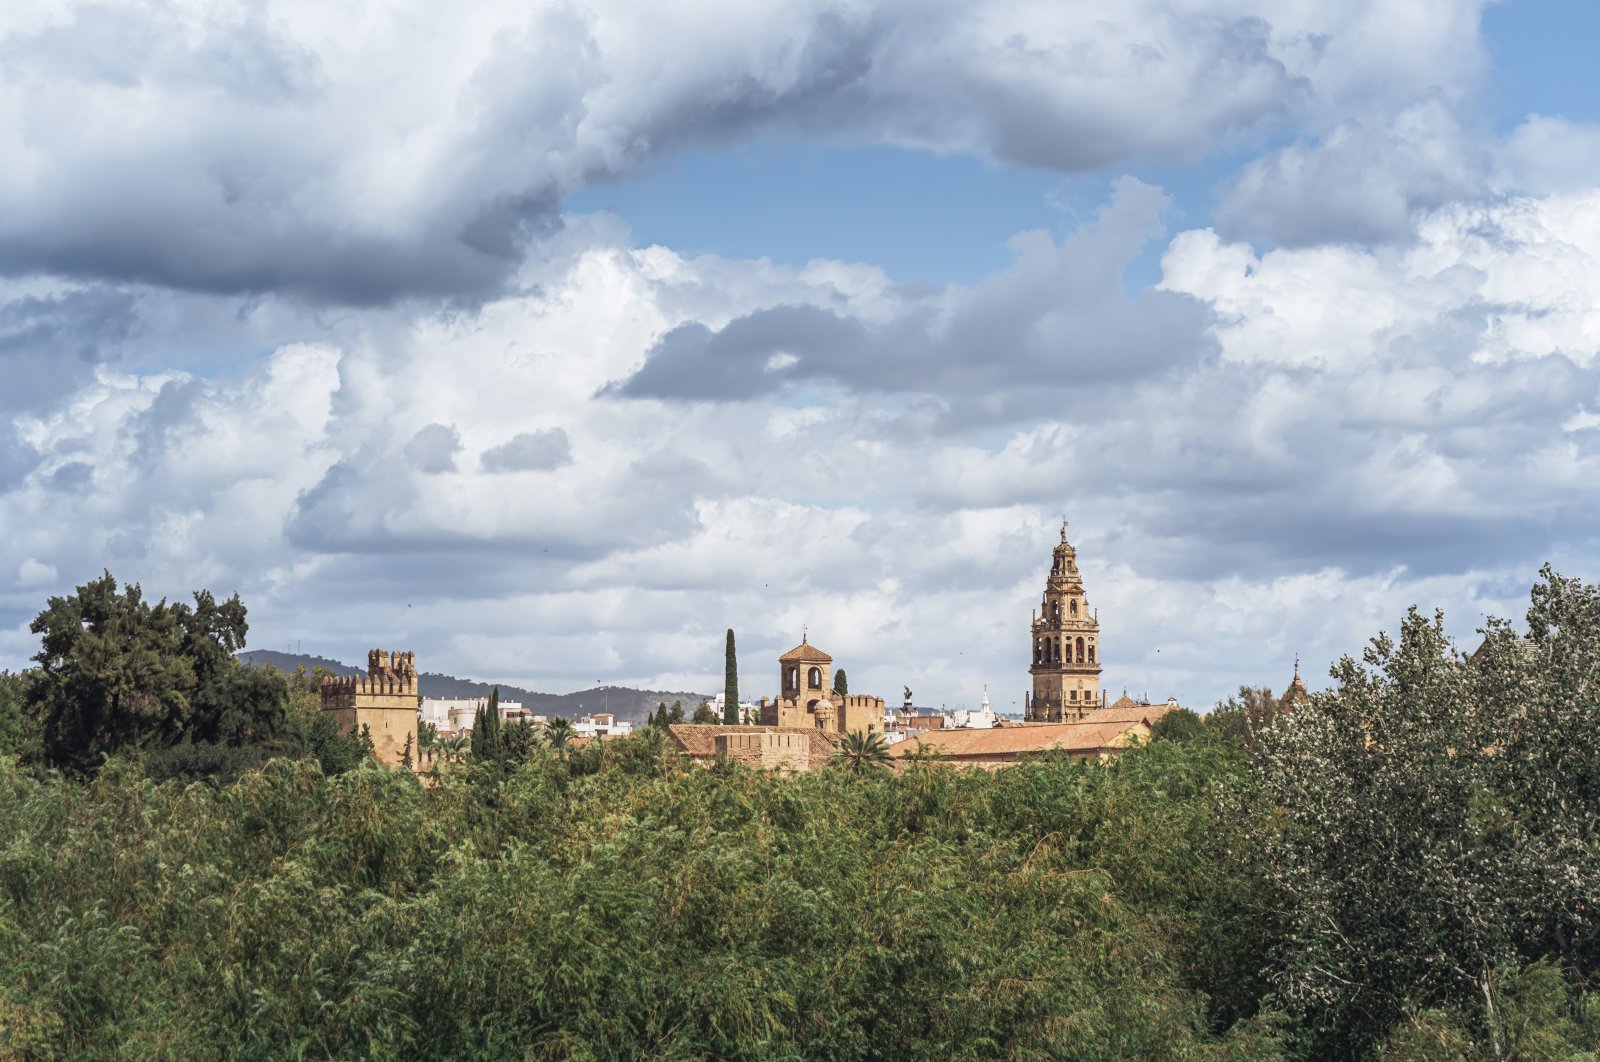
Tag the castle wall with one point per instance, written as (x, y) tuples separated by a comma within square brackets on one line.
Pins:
[(782, 752), (384, 701), (860, 713)]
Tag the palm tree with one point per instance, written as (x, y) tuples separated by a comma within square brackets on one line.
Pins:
[(558, 730), (859, 753), (454, 747)]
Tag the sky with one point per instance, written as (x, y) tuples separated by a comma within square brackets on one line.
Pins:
[(552, 340)]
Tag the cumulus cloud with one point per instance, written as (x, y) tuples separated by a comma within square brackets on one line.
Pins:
[(1391, 397), (433, 449), (359, 156), (530, 451), (1056, 321), (1362, 182), (1371, 178), (1341, 431)]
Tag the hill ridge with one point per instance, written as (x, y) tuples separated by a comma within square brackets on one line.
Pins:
[(624, 702)]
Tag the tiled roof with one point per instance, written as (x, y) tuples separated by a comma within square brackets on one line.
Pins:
[(807, 653), (1131, 712), (1020, 740), (699, 740)]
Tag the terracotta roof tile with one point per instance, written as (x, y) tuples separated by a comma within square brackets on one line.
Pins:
[(807, 653), (1125, 713)]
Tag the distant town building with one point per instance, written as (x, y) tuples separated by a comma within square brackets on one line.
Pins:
[(749, 711), (601, 725), (454, 715), (382, 703), (1065, 650), (979, 718), (806, 697)]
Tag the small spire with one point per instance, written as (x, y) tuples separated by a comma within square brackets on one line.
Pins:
[(1297, 667), (804, 635), (1063, 528)]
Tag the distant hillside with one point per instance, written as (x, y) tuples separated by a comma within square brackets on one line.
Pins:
[(622, 701)]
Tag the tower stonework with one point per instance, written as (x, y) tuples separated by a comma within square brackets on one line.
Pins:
[(384, 701), (806, 697), (1066, 645)]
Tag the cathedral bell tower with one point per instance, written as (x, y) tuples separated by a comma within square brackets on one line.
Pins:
[(1066, 652)]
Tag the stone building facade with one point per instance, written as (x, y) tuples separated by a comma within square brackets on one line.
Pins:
[(806, 697), (384, 701), (1065, 645)]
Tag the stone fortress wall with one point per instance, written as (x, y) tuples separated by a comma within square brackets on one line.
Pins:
[(784, 752)]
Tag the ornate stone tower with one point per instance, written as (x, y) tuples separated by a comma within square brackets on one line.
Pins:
[(1066, 651)]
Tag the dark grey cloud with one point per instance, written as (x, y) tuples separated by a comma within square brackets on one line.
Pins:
[(530, 451), (51, 344)]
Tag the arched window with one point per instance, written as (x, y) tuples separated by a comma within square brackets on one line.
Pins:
[(1091, 652), (1080, 650), (816, 678), (1074, 606), (791, 677)]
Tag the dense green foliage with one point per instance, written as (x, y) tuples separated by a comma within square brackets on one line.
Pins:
[(554, 912), (1404, 867), (730, 683), (1434, 826), (841, 683)]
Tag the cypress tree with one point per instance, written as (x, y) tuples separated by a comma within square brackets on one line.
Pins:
[(730, 685), (841, 685), (492, 745), (477, 733)]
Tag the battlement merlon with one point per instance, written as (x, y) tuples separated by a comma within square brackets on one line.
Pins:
[(390, 682)]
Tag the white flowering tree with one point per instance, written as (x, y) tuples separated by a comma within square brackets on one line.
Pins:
[(1431, 824)]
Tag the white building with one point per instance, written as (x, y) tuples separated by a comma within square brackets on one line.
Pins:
[(455, 715), (979, 718), (749, 711), (601, 725)]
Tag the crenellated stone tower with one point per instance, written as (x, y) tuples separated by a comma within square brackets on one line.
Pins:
[(384, 700), (1065, 652)]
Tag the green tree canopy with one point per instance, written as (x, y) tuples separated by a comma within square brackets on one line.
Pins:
[(116, 672), (1431, 824), (841, 684)]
